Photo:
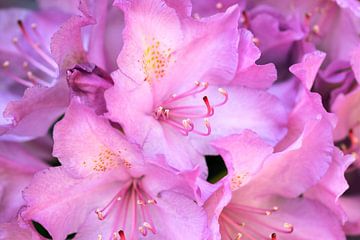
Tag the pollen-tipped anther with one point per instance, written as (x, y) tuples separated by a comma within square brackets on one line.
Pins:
[(6, 64), (151, 201), (219, 5), (149, 227), (143, 231), (289, 227), (238, 236), (100, 214)]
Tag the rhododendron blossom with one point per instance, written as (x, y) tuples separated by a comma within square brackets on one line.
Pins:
[(191, 119)]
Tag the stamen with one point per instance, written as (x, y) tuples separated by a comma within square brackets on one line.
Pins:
[(234, 212), (35, 46), (134, 205), (36, 80), (181, 117), (16, 78), (34, 62)]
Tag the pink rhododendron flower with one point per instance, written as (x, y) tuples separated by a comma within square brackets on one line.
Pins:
[(264, 201), (111, 191), (165, 86), (166, 119)]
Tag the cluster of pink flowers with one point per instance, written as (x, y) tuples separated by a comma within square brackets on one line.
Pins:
[(112, 113)]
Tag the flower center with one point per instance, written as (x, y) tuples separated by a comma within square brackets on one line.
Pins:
[(131, 206), (181, 117), (235, 227), (39, 67)]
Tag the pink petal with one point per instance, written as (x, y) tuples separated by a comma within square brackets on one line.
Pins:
[(346, 109), (214, 207), (87, 144), (12, 230), (307, 69), (130, 104), (294, 159), (351, 207), (252, 112), (33, 115), (67, 45), (333, 184), (138, 34), (244, 155), (355, 61), (69, 199)]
